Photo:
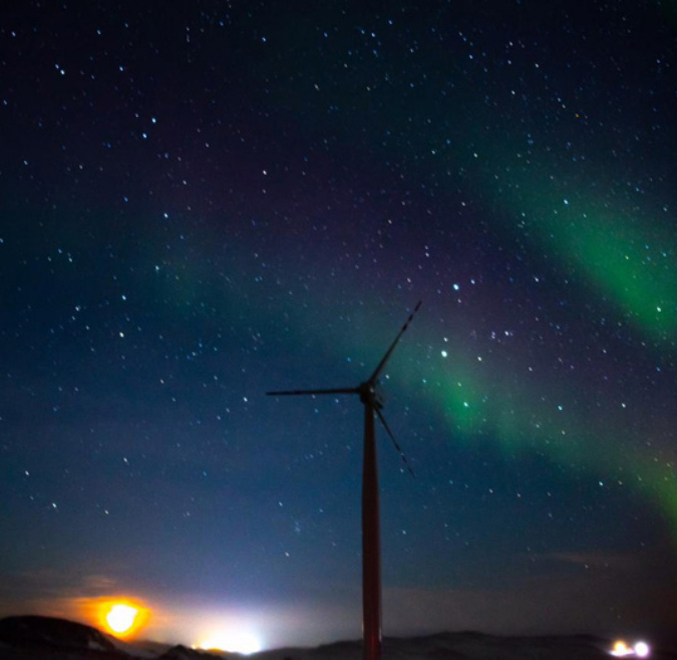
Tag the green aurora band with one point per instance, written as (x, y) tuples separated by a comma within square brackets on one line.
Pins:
[(613, 250), (618, 251), (525, 415)]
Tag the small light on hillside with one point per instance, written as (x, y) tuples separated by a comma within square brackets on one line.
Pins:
[(622, 650)]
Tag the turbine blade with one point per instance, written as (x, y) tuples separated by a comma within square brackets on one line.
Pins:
[(336, 390), (382, 363), (392, 437)]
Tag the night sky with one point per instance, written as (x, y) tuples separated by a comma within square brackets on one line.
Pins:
[(202, 201)]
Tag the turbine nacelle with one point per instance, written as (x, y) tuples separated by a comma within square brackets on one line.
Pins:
[(371, 394)]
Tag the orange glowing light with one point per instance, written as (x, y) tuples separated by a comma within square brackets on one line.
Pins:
[(122, 618), (621, 649)]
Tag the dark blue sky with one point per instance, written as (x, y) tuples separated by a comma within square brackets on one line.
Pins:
[(205, 202)]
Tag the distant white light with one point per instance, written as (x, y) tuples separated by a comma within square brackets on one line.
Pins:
[(642, 650), (231, 640), (444, 354)]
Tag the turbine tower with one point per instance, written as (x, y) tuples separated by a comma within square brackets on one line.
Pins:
[(371, 545)]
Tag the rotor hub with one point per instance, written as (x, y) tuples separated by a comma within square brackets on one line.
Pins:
[(370, 394)]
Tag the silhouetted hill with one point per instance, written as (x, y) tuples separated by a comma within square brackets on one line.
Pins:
[(181, 652), (47, 638), (39, 637)]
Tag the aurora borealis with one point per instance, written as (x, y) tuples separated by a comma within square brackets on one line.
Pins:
[(205, 202)]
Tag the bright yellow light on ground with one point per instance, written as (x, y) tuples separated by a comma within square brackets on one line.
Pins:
[(621, 649), (122, 618), (235, 641)]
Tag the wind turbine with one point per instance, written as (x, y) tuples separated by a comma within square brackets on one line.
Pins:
[(371, 545)]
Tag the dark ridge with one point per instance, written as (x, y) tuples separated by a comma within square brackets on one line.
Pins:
[(181, 652), (31, 632), (334, 647), (49, 638)]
